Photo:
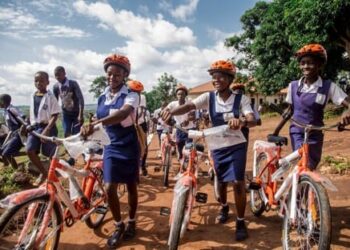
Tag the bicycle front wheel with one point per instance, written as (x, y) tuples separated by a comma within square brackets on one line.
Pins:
[(20, 225), (257, 205), (177, 221), (167, 163), (311, 228)]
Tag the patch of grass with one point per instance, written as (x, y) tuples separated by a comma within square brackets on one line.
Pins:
[(7, 186), (338, 165)]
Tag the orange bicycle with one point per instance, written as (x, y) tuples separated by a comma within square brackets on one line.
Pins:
[(34, 218), (166, 150), (289, 185)]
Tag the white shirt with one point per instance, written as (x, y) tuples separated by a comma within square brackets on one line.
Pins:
[(180, 118), (48, 107), (160, 124), (336, 94), (131, 99), (221, 106)]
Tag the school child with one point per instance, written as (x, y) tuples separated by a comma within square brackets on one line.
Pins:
[(225, 107), (13, 143), (182, 120), (116, 110), (72, 102), (43, 113), (308, 97)]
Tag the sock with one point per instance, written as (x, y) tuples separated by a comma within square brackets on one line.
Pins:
[(240, 219), (224, 205), (131, 220)]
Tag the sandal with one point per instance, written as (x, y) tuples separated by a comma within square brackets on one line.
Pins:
[(113, 241), (130, 231)]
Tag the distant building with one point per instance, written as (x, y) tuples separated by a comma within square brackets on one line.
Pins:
[(255, 98)]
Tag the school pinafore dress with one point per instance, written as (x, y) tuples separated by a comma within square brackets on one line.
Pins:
[(306, 110), (229, 162), (121, 158)]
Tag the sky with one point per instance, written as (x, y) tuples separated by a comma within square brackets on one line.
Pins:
[(179, 37)]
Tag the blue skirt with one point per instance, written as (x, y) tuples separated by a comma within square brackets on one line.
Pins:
[(230, 162)]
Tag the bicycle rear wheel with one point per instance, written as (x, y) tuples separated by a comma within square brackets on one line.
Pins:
[(167, 164), (98, 194), (257, 205), (312, 228), (177, 221), (30, 214)]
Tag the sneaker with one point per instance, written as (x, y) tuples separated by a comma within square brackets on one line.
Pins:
[(223, 215), (241, 230), (130, 231), (39, 180), (113, 241)]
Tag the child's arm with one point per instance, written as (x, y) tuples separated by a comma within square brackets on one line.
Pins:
[(345, 118), (80, 97), (51, 124)]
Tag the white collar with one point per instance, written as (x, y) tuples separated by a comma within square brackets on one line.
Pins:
[(317, 83), (110, 99)]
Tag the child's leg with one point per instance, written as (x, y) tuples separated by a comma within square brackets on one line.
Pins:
[(132, 199), (240, 197), (32, 148), (11, 149), (67, 124)]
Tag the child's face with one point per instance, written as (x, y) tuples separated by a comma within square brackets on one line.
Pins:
[(310, 66), (180, 95), (41, 82), (115, 76), (60, 75), (220, 81)]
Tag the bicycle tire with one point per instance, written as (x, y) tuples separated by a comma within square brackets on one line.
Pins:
[(177, 221), (97, 217), (315, 232), (257, 205), (8, 235), (167, 163)]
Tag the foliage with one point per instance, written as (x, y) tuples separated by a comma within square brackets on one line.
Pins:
[(164, 91), (338, 165), (6, 179), (98, 85), (274, 31)]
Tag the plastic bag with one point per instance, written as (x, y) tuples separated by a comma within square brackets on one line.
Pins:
[(222, 136), (75, 146)]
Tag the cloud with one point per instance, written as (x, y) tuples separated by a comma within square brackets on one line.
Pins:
[(185, 11), (19, 24), (155, 32)]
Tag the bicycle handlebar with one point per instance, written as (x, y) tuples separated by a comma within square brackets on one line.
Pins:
[(309, 127)]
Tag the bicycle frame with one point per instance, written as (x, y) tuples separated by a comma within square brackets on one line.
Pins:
[(76, 209), (166, 141), (290, 183)]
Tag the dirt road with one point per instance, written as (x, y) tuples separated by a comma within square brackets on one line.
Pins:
[(204, 233)]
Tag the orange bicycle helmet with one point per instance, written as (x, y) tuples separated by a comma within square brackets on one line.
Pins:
[(222, 66), (119, 60), (181, 87), (135, 85), (238, 86), (313, 49)]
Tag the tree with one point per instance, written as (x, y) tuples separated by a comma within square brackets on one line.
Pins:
[(164, 91), (98, 85), (274, 31)]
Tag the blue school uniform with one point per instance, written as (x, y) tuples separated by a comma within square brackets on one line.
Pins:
[(306, 110), (14, 144), (121, 158), (229, 162)]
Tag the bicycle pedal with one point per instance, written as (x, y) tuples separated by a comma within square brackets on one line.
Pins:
[(201, 197), (165, 211), (254, 186), (101, 210)]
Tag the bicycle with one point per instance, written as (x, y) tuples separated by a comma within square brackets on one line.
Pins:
[(166, 157), (298, 192), (185, 191), (34, 218)]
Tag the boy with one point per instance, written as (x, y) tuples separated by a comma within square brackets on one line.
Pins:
[(225, 107), (44, 111), (13, 144), (72, 102), (308, 96)]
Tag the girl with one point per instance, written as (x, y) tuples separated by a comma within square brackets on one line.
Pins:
[(225, 107), (116, 110), (308, 96)]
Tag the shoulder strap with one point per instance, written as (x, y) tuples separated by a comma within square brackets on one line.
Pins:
[(236, 105)]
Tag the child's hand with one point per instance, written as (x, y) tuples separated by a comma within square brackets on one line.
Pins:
[(345, 118), (234, 123), (184, 123), (166, 115), (87, 130), (45, 132)]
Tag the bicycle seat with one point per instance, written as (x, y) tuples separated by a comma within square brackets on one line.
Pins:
[(279, 140), (199, 147)]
